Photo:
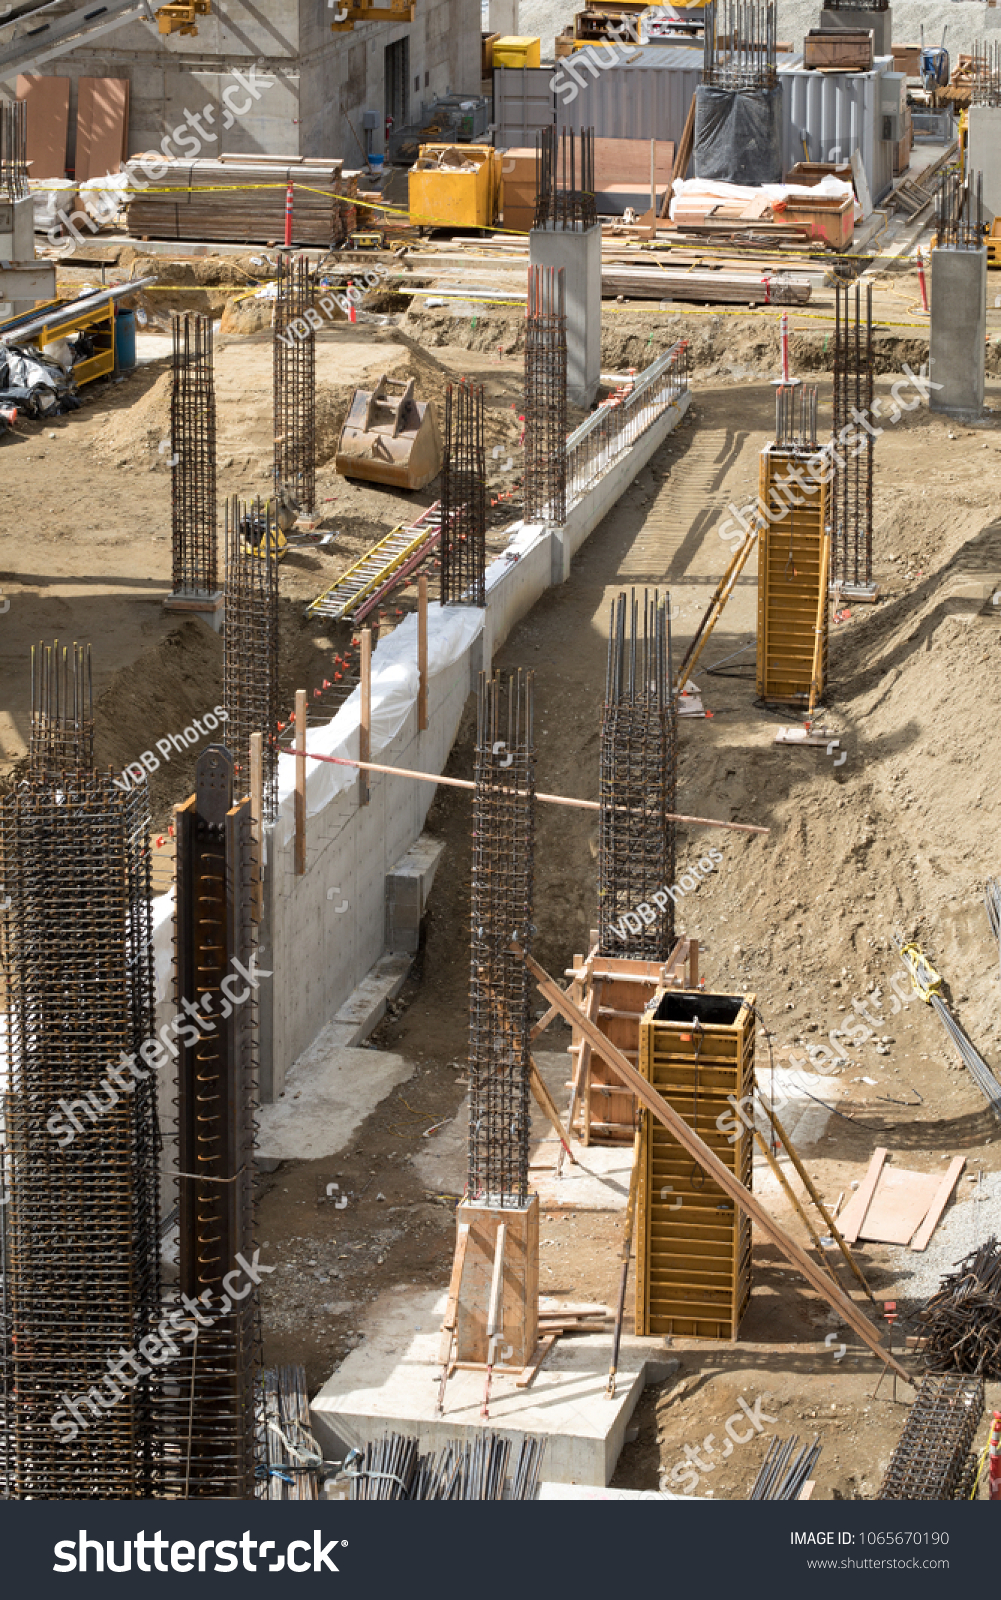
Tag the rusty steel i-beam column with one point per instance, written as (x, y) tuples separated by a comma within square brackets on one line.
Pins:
[(82, 1146), (294, 385), (545, 496), (212, 1414), (637, 783), (193, 459), (250, 643), (463, 499)]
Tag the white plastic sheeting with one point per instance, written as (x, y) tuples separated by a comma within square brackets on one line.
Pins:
[(696, 188)]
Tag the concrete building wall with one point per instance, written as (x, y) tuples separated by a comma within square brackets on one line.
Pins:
[(313, 85)]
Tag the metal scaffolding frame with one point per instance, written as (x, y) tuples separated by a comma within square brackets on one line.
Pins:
[(545, 493), (210, 1417), (250, 642), (294, 385), (464, 499), (501, 912), (637, 781), (193, 457), (739, 45), (564, 180), (851, 485)]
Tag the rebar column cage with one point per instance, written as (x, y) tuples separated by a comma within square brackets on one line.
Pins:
[(82, 1156), (739, 45), (564, 180), (545, 494), (796, 417), (62, 710), (637, 781), (851, 485), (985, 68), (295, 385), (250, 642), (13, 150), (464, 499), (959, 211), (502, 907), (212, 1414), (930, 1456), (193, 457)]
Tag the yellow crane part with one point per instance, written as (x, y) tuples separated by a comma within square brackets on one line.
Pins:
[(180, 18)]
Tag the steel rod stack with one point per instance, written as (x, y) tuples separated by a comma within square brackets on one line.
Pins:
[(250, 642), (289, 1455), (295, 385), (796, 417), (502, 903), (959, 211), (739, 45), (193, 457), (637, 782), (545, 495), (564, 180), (81, 1281), (962, 1320), (62, 710), (851, 489), (13, 149), (464, 499), (986, 69), (930, 1458), (781, 1476), (487, 1467), (210, 1405)]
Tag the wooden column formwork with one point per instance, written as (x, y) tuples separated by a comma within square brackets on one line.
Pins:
[(614, 991), (693, 1246), (792, 578)]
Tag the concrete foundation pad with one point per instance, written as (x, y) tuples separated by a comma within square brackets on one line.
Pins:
[(366, 1006), (599, 1181), (210, 607), (337, 1088), (390, 1384)]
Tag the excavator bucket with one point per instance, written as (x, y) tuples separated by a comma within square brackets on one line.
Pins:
[(390, 437)]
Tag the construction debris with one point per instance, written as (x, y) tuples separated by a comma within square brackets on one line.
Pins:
[(961, 1322)]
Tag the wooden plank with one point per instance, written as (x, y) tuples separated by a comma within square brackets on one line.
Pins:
[(545, 1102), (938, 1205), (900, 1201), (853, 1215), (102, 125), (683, 154), (84, 124), (542, 1349), (455, 1283), (714, 1168), (48, 102)]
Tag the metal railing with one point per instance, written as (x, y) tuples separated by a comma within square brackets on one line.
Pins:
[(599, 442)]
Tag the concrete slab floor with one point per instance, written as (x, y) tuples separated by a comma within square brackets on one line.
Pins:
[(330, 1091), (390, 1383)]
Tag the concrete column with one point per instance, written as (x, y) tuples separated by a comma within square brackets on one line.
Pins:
[(580, 256), (879, 23), (504, 18), (958, 330), (982, 149)]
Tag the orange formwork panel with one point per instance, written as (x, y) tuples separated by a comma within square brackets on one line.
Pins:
[(792, 579)]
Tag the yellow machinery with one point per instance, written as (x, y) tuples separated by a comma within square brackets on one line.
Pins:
[(455, 186), (693, 1246), (180, 17), (389, 436), (347, 14), (793, 571), (47, 325)]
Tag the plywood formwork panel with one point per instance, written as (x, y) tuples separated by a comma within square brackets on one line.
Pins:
[(790, 580), (693, 1254)]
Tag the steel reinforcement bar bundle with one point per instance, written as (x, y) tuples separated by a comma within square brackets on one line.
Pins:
[(501, 911), (931, 1454), (637, 779), (564, 180), (81, 1276), (392, 1468), (193, 457), (739, 45)]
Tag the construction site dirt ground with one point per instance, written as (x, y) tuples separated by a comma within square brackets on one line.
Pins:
[(900, 836)]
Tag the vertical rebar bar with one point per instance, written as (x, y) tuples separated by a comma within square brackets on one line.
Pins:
[(852, 444), (294, 385), (959, 211), (501, 912), (564, 180), (13, 149), (739, 45), (193, 457), (250, 642), (62, 710), (463, 499), (545, 496)]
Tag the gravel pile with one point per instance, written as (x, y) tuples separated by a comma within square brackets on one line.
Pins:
[(973, 1216)]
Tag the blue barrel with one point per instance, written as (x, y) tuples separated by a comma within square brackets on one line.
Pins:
[(125, 340)]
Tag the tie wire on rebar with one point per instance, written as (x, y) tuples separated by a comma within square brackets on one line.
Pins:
[(250, 641), (564, 180), (852, 478), (739, 45), (503, 867), (193, 456), (464, 498), (545, 493), (294, 384), (637, 780)]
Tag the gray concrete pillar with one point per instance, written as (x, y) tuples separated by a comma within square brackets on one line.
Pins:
[(579, 254), (958, 330), (880, 23), (983, 150)]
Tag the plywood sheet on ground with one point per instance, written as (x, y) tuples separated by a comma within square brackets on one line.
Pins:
[(898, 1206), (48, 101)]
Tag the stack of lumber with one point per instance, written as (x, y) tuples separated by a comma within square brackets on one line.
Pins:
[(243, 200), (916, 196), (709, 284)]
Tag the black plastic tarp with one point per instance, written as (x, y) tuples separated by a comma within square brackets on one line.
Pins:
[(738, 135)]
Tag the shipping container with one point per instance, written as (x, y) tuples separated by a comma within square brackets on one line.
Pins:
[(524, 102), (827, 116)]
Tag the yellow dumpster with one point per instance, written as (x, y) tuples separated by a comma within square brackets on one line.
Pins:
[(455, 186), (512, 51)]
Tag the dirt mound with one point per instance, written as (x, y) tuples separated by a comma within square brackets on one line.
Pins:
[(141, 424)]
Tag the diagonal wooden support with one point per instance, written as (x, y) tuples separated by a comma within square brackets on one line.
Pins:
[(710, 1163)]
